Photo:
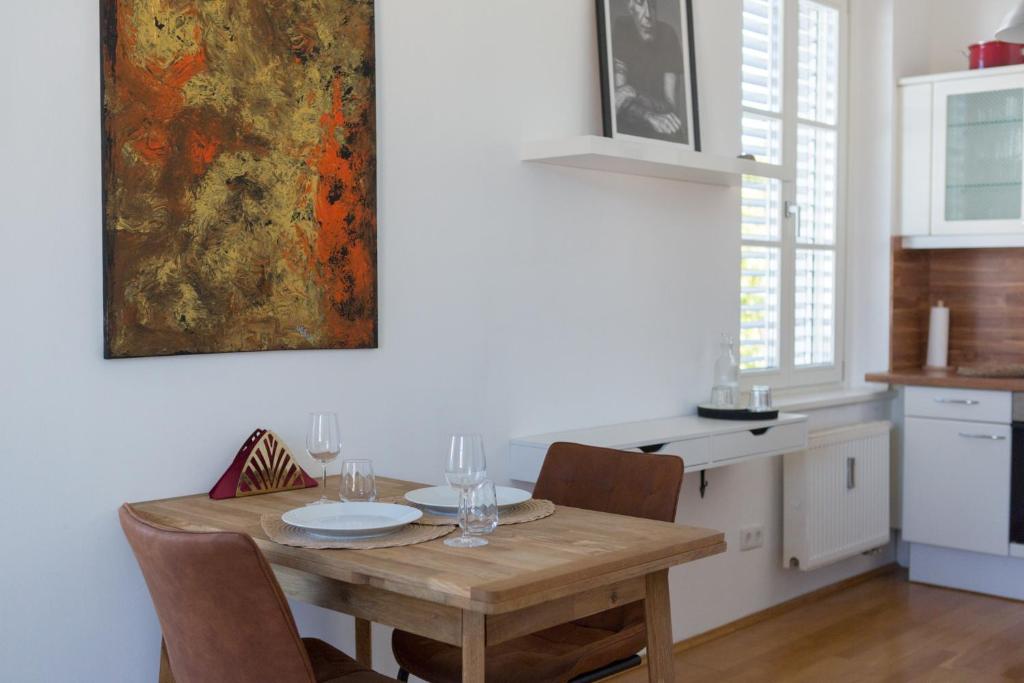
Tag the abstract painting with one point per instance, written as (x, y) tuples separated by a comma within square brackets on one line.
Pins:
[(239, 176)]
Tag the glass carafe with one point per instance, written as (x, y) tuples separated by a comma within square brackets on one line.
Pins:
[(725, 392)]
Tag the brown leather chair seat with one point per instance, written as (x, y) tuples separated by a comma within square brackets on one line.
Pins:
[(331, 665), (222, 612), (573, 475)]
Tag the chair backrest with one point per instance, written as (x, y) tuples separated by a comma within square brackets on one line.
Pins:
[(222, 612), (607, 480)]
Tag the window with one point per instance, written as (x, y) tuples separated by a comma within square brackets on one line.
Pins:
[(790, 273)]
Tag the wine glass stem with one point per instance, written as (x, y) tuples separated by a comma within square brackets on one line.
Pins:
[(324, 495), (464, 511)]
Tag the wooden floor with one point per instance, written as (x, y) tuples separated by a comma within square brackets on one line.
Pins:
[(885, 629)]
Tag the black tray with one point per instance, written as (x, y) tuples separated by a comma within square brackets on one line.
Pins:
[(735, 413)]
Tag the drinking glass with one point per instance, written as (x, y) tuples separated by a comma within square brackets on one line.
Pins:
[(760, 399), (481, 516), (466, 467), (323, 444), (723, 397), (357, 481)]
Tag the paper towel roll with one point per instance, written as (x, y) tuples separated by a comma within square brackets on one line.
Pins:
[(938, 337)]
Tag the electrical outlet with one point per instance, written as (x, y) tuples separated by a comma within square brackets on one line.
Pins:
[(751, 537)]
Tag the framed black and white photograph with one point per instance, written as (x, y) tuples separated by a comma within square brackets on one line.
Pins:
[(648, 71)]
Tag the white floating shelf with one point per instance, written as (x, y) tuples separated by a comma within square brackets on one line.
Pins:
[(651, 159), (1004, 241)]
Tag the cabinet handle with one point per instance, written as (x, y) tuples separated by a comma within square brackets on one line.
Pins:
[(958, 401), (851, 473), (987, 437)]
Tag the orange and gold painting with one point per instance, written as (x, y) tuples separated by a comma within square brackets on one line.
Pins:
[(239, 176)]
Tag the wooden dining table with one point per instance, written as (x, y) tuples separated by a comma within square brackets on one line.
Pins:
[(529, 577)]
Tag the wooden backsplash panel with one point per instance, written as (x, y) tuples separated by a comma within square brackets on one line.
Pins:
[(984, 289), (908, 327)]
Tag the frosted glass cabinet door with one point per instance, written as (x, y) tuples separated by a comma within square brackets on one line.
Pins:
[(979, 156)]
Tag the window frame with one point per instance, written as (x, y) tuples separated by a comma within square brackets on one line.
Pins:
[(788, 375)]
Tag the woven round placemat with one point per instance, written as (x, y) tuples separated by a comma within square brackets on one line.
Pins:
[(411, 534), (529, 511)]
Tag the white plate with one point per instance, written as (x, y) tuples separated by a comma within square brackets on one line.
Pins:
[(352, 520), (446, 499)]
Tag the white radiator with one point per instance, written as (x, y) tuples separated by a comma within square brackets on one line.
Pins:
[(836, 496)]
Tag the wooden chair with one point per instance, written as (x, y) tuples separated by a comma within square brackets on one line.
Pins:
[(588, 649), (223, 615)]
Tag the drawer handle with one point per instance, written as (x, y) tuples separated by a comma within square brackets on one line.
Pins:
[(958, 401), (987, 437), (653, 448), (760, 432)]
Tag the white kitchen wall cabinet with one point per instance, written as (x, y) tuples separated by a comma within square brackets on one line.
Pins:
[(916, 160), (962, 162), (977, 159)]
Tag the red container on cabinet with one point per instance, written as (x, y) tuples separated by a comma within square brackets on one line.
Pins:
[(995, 53)]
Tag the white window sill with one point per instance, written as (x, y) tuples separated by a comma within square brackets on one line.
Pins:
[(813, 399)]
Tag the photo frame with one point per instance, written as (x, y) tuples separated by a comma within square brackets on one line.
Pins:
[(649, 71)]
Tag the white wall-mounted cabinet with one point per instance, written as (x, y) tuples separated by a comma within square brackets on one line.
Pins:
[(916, 160), (962, 162), (702, 443), (977, 160)]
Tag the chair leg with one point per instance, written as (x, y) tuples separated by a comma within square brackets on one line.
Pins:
[(403, 675)]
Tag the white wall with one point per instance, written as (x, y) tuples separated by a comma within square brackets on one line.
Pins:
[(515, 299), (955, 24), (934, 34), (869, 186)]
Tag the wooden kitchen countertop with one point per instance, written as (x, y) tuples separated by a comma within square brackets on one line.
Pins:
[(945, 378)]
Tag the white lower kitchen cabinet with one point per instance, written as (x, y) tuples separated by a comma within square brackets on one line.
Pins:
[(959, 492), (956, 490)]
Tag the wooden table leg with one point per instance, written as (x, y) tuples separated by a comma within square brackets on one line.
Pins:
[(364, 643), (660, 665), (474, 633), (165, 675)]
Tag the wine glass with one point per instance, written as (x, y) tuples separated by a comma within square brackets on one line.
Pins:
[(323, 445), (357, 481), (465, 468)]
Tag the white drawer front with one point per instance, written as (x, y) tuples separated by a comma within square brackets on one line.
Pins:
[(694, 452), (960, 404), (956, 485), (778, 439)]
